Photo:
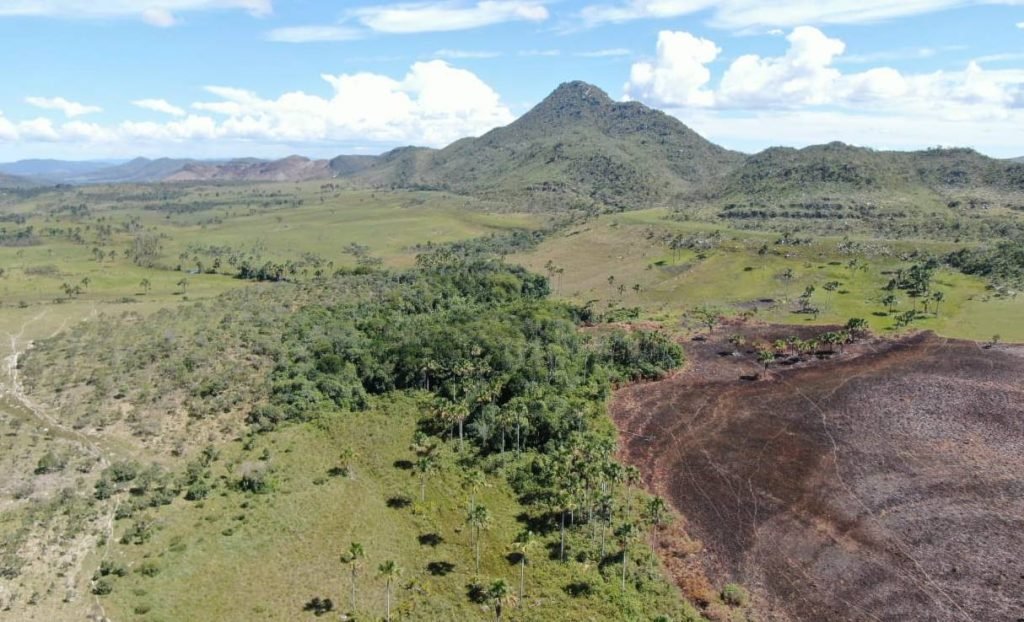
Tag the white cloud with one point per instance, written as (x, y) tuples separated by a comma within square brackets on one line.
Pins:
[(805, 76), (69, 108), (802, 76), (432, 104), (768, 96), (539, 53), (678, 75), (610, 52), (1020, 25), (310, 34), (160, 13), (457, 54), (159, 105), (747, 14), (448, 15)]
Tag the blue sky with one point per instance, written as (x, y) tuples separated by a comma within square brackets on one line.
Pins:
[(221, 78)]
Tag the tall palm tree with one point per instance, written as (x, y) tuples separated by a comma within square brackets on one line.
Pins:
[(473, 481), (498, 592), (390, 571), (938, 297), (632, 477), (354, 558), (656, 513), (524, 542), (626, 533), (478, 519), (425, 465)]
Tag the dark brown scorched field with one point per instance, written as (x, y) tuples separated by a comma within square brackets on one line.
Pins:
[(886, 483)]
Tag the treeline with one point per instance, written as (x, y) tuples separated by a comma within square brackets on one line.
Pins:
[(1002, 263)]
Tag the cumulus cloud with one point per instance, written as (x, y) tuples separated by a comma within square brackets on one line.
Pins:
[(678, 75), (433, 104), (69, 108), (747, 14), (447, 16), (160, 13), (804, 77), (311, 34), (159, 105)]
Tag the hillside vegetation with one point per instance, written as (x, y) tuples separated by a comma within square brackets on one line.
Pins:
[(384, 386), (933, 192), (575, 148)]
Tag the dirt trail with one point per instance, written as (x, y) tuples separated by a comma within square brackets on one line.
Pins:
[(16, 402), (885, 484)]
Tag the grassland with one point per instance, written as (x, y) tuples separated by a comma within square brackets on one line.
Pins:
[(730, 270), (239, 555), (224, 556)]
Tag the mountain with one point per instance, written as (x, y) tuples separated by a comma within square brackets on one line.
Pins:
[(577, 146), (14, 181), (348, 164), (292, 168), (139, 170), (841, 180), (56, 171)]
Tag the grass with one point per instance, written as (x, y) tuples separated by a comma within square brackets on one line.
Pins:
[(736, 277), (243, 556), (284, 221)]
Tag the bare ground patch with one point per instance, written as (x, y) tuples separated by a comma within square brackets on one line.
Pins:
[(886, 483)]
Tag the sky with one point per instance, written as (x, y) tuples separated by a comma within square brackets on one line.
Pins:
[(106, 79)]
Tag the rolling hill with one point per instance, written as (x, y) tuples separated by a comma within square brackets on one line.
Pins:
[(577, 146), (292, 168), (839, 180), (14, 181)]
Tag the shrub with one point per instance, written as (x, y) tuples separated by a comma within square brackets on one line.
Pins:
[(149, 568), (102, 587), (734, 594)]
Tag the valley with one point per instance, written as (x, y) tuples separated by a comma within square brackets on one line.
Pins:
[(588, 366)]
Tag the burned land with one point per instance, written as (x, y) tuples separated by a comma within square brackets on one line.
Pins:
[(883, 482)]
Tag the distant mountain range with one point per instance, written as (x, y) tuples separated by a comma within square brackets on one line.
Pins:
[(145, 170), (579, 148)]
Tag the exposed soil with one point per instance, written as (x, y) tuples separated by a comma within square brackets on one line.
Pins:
[(885, 483)]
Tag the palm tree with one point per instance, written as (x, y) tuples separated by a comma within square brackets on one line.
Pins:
[(890, 301), (626, 533), (524, 542), (478, 519), (657, 515), (145, 285), (354, 558), (938, 297), (632, 477), (183, 284), (766, 357), (498, 592), (472, 481), (425, 465), (390, 571)]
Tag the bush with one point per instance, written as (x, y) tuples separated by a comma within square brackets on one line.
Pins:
[(102, 587), (198, 490), (734, 594), (149, 569), (50, 463)]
